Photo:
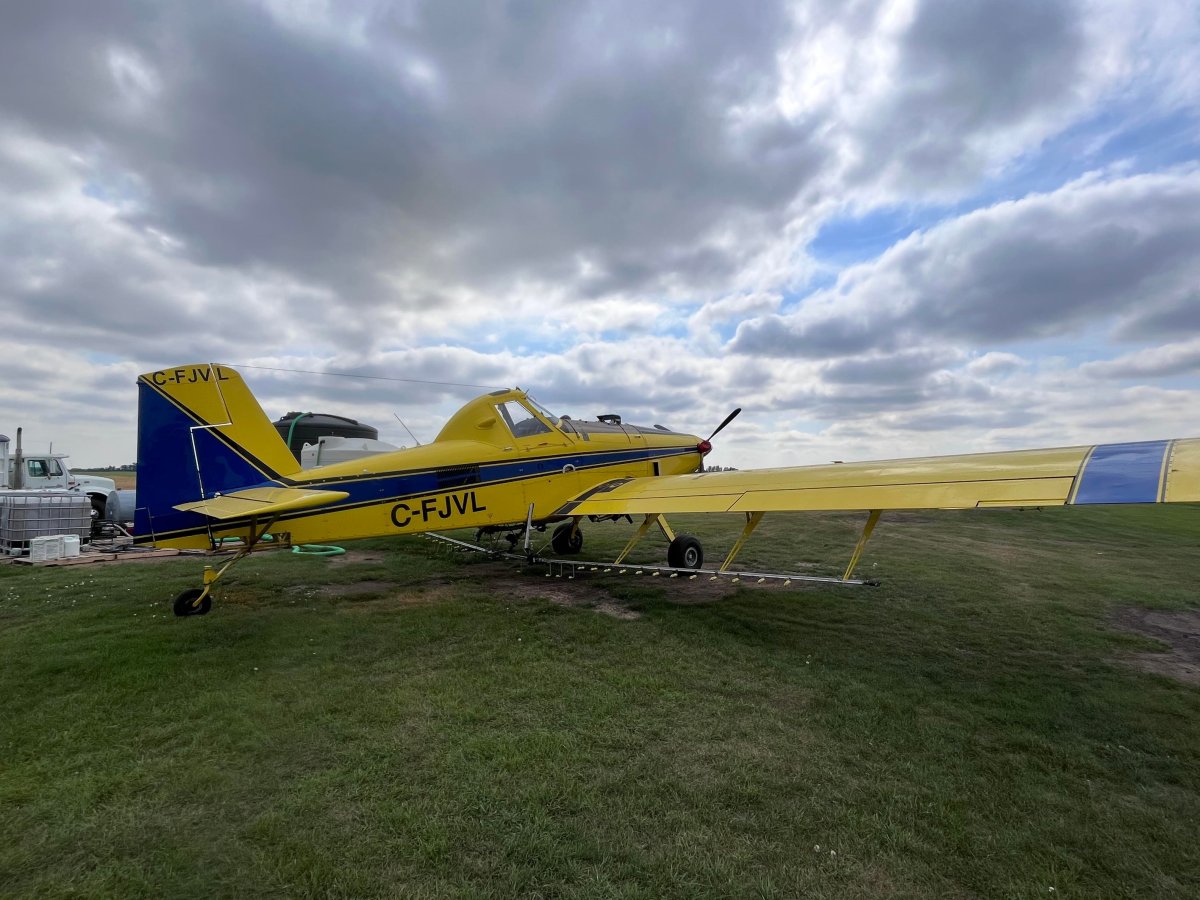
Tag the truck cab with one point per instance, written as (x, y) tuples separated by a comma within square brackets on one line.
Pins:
[(42, 473), (49, 472)]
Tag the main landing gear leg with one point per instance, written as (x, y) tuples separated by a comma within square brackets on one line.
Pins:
[(684, 551), (198, 601)]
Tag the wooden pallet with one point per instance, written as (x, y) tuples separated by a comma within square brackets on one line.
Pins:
[(86, 558)]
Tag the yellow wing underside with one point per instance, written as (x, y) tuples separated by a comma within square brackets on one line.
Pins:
[(259, 502), (1018, 478)]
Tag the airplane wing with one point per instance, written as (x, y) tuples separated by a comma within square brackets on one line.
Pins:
[(1142, 472), (264, 501)]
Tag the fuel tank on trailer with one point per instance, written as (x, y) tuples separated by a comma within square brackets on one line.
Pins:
[(298, 429)]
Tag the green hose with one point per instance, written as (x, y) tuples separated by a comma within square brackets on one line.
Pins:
[(318, 550), (265, 539), (303, 549), (292, 428)]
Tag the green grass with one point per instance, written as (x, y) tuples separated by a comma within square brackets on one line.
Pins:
[(123, 480), (968, 729)]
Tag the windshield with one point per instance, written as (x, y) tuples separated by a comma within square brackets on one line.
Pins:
[(545, 412), (521, 422), (561, 422)]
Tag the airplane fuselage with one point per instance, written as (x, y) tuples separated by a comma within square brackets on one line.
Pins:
[(478, 473)]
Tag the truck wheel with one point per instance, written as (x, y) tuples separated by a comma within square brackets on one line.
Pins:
[(97, 509), (685, 552)]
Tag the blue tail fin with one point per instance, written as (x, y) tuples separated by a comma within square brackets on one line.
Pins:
[(200, 433)]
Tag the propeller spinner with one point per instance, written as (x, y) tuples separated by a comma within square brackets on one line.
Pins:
[(706, 445)]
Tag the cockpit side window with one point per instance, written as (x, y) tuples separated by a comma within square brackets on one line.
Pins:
[(520, 421)]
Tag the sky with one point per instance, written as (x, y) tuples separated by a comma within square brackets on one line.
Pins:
[(882, 228)]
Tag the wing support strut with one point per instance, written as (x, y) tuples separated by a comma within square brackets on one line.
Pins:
[(862, 542), (752, 520), (651, 519)]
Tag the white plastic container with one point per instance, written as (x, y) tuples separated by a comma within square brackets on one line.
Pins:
[(70, 545), (25, 515), (44, 548)]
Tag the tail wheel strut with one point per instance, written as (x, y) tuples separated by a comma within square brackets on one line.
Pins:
[(198, 601)]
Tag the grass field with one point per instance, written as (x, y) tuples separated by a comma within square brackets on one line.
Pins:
[(123, 480), (398, 722)]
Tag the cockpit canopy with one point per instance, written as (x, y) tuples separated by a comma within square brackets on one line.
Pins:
[(501, 415)]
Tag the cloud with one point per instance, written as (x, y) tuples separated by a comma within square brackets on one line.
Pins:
[(1118, 251), (1182, 358), (995, 363), (536, 135), (399, 158), (889, 369), (923, 98)]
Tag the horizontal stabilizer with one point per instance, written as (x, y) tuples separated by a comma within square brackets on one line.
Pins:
[(263, 501)]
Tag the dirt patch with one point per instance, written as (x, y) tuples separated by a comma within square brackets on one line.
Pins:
[(355, 589), (574, 594), (1179, 630), (365, 596), (591, 591), (353, 557), (587, 592)]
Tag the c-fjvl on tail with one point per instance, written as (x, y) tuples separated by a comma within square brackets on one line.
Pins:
[(211, 465)]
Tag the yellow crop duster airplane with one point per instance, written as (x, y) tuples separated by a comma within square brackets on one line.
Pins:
[(212, 466)]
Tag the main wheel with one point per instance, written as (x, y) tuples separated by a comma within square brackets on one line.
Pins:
[(685, 552), (191, 603), (567, 539)]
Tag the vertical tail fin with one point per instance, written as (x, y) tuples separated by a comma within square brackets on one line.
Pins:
[(200, 433)]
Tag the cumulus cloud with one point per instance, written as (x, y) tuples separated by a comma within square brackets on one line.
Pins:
[(1182, 358), (1118, 250)]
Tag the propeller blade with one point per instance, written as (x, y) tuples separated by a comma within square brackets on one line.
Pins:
[(729, 418)]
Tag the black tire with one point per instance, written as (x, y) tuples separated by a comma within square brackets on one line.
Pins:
[(685, 552), (97, 509), (563, 543), (186, 605)]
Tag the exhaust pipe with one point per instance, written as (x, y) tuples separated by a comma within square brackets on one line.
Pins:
[(18, 466)]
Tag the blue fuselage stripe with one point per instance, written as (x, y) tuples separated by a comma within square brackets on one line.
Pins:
[(1123, 473), (396, 486)]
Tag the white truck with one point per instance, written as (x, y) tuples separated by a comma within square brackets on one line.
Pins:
[(49, 472)]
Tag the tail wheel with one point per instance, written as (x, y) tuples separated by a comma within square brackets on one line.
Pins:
[(193, 602), (567, 539), (685, 552)]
